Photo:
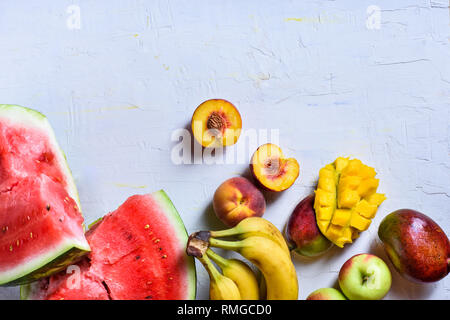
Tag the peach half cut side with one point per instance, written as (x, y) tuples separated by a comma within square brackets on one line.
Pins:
[(272, 170), (216, 123)]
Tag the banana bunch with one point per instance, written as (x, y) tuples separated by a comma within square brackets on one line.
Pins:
[(261, 243), (220, 286)]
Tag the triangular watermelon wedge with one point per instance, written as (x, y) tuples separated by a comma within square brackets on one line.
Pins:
[(41, 226), (138, 252)]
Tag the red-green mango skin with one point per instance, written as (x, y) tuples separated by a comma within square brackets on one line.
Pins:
[(418, 248), (302, 233)]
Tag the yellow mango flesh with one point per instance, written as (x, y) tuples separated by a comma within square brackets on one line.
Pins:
[(346, 199)]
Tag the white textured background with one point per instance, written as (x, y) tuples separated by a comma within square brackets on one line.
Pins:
[(115, 90)]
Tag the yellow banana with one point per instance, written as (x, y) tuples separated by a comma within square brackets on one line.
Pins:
[(241, 274), (220, 287), (254, 226), (224, 289), (279, 272)]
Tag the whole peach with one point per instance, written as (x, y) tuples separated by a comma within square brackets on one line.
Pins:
[(236, 199)]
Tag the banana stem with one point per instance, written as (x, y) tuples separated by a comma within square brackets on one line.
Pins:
[(210, 268), (219, 260), (197, 244), (225, 233), (227, 245)]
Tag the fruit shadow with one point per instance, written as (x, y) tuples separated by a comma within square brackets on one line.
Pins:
[(194, 145), (210, 219), (401, 286), (323, 258)]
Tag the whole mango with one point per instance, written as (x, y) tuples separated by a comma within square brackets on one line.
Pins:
[(416, 245), (302, 233)]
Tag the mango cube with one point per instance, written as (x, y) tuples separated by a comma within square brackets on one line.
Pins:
[(339, 235), (324, 213), (327, 172), (353, 168), (341, 217), (326, 199), (360, 223), (376, 199), (348, 198), (365, 209), (367, 172), (323, 224), (349, 182), (368, 187), (327, 184), (340, 163)]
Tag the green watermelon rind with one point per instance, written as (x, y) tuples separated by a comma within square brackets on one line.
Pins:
[(28, 291), (182, 235), (66, 252), (66, 256)]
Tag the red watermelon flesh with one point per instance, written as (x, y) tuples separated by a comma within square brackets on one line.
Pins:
[(38, 216), (41, 227), (78, 283), (25, 152), (138, 252)]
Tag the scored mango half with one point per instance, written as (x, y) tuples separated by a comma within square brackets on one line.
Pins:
[(346, 199)]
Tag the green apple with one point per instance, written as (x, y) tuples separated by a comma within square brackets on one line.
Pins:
[(365, 277), (326, 294)]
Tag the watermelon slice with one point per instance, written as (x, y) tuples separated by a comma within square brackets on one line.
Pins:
[(41, 226), (138, 252)]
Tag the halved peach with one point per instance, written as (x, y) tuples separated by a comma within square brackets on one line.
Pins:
[(272, 170), (216, 123)]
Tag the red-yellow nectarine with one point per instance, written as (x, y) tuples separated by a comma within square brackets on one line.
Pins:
[(236, 199), (216, 123), (272, 170)]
